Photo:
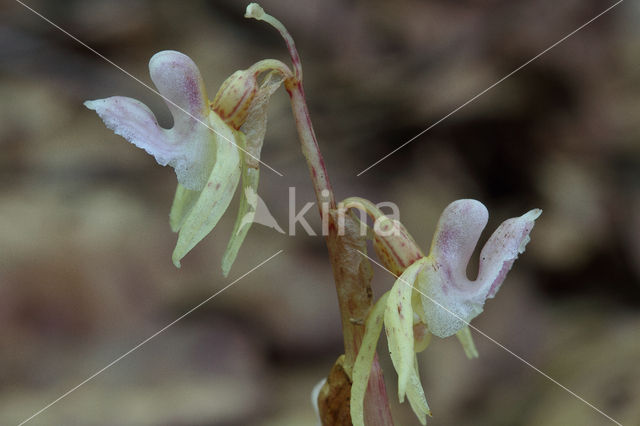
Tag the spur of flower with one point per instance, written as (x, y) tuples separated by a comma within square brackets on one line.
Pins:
[(432, 294), (212, 146)]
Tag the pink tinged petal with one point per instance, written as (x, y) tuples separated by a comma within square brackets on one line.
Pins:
[(450, 299), (135, 122), (457, 234), (503, 248), (178, 79), (188, 147)]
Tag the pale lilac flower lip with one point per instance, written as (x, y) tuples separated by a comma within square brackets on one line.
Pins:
[(189, 146), (444, 280)]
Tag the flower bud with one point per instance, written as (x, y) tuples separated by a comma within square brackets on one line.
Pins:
[(394, 246), (233, 100)]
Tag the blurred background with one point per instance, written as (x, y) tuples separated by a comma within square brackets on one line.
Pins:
[(85, 244)]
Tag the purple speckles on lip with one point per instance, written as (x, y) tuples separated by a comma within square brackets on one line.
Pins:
[(446, 239), (194, 94)]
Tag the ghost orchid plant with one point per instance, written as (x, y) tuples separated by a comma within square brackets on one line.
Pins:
[(213, 145), (432, 294)]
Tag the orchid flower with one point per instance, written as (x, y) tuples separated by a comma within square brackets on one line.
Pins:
[(432, 294), (211, 146)]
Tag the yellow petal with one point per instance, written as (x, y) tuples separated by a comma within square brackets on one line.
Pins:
[(362, 365), (398, 319), (466, 340), (215, 197), (415, 394), (421, 337), (254, 127), (183, 202), (244, 220)]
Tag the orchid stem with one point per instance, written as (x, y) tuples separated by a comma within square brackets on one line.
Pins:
[(352, 272), (310, 148)]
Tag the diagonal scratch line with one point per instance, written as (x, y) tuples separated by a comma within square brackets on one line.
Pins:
[(148, 87), (145, 341), (496, 342), (492, 86)]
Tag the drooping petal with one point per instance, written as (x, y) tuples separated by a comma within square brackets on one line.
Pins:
[(364, 360), (183, 202), (450, 300), (254, 129), (255, 125), (246, 214), (215, 197), (398, 320), (188, 146), (415, 394), (466, 340), (421, 336)]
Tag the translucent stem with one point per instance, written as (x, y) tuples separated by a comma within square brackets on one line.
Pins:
[(256, 12)]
